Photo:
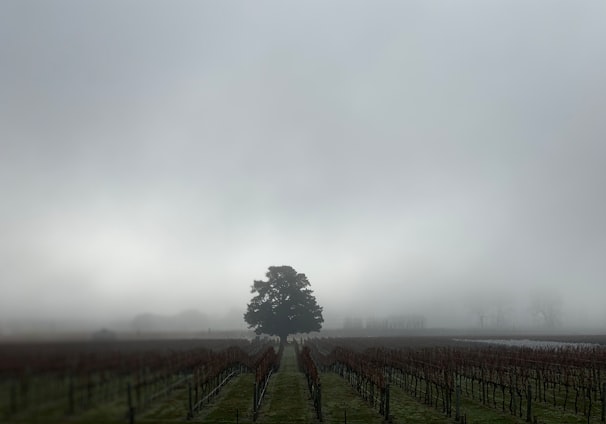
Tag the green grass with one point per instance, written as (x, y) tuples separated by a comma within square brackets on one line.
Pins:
[(478, 413), (492, 412), (235, 400), (287, 397), (544, 411), (406, 409), (287, 401), (339, 398)]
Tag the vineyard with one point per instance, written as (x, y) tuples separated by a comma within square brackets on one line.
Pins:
[(524, 383), (125, 381), (341, 380)]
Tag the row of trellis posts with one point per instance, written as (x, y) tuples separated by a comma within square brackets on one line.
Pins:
[(201, 391), (365, 385), (265, 368), (370, 382)]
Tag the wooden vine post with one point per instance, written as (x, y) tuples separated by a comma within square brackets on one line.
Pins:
[(255, 394), (14, 399), (387, 402), (319, 402), (70, 395), (529, 404), (458, 403), (131, 408), (190, 409)]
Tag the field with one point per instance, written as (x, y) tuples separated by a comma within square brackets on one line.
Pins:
[(331, 380)]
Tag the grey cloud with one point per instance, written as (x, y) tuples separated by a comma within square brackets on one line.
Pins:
[(416, 151)]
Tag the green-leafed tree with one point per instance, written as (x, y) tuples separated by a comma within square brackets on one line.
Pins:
[(283, 305)]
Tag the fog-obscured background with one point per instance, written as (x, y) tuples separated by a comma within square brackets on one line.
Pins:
[(421, 158)]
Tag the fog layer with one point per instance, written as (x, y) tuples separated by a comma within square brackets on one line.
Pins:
[(435, 158)]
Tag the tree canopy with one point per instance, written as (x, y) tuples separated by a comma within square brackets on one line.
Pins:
[(283, 305)]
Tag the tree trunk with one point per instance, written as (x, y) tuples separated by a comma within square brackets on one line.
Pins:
[(283, 340)]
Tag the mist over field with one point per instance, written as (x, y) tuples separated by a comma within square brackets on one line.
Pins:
[(442, 160)]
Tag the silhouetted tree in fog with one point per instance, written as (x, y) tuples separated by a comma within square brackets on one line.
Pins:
[(283, 305)]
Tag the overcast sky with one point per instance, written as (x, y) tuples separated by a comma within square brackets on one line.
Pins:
[(407, 156)]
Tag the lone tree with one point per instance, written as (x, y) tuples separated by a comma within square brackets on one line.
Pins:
[(283, 305)]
